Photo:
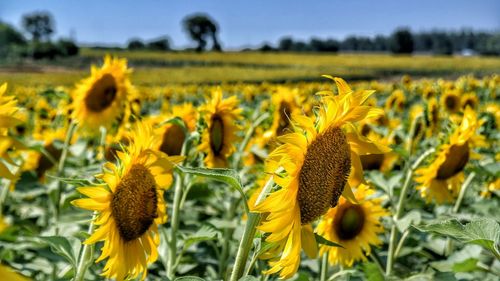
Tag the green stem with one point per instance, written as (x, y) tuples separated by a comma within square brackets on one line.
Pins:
[(248, 235), (324, 267), (463, 190), (228, 233), (174, 227), (461, 195), (174, 224), (86, 255), (401, 242), (400, 209), (60, 172), (3, 196), (248, 136)]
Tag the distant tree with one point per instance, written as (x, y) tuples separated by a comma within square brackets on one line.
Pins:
[(160, 44), (135, 44), (10, 40), (402, 41), (67, 47), (200, 28), (266, 48), (39, 24), (380, 43), (285, 44)]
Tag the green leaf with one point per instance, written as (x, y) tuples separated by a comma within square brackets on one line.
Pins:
[(467, 265), (189, 278), (61, 246), (371, 271), (483, 232), (413, 217), (205, 233), (322, 240), (228, 176)]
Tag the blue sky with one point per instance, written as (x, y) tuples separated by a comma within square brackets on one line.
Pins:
[(249, 23)]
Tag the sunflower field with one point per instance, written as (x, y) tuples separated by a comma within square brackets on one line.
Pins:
[(106, 178)]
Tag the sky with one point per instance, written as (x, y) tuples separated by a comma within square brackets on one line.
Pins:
[(250, 23)]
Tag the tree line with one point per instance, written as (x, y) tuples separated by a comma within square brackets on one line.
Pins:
[(401, 41), (203, 30), (40, 27)]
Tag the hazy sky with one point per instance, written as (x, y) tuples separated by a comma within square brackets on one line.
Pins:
[(249, 23)]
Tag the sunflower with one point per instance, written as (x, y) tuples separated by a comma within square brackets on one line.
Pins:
[(287, 102), (220, 134), (130, 206), (469, 99), (441, 180), (432, 117), (490, 188), (101, 98), (396, 101), (450, 100), (382, 162), (8, 120), (354, 226), (314, 166), (173, 135), (39, 162)]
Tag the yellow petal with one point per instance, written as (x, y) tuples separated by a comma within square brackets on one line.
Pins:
[(90, 204), (309, 241)]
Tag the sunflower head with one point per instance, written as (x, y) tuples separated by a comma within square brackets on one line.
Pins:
[(219, 136), (101, 98), (469, 100), (441, 180), (450, 100), (355, 226), (396, 101), (312, 168), (130, 205)]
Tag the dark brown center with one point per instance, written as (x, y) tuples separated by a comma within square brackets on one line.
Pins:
[(102, 94), (134, 204), (173, 139), (323, 174), (217, 134), (456, 159), (284, 122), (372, 161), (348, 221), (451, 102), (45, 163)]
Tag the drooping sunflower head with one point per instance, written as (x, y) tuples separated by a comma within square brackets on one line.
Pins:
[(432, 116), (450, 100), (101, 98), (469, 100), (130, 206), (440, 181), (287, 102), (396, 101), (312, 168), (220, 135), (172, 134), (354, 226)]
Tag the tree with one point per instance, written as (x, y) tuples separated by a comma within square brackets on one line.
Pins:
[(160, 44), (39, 24), (402, 41), (200, 28), (135, 44), (285, 44)]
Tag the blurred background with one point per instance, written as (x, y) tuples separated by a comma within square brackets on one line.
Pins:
[(251, 41)]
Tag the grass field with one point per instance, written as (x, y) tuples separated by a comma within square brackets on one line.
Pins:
[(151, 68)]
